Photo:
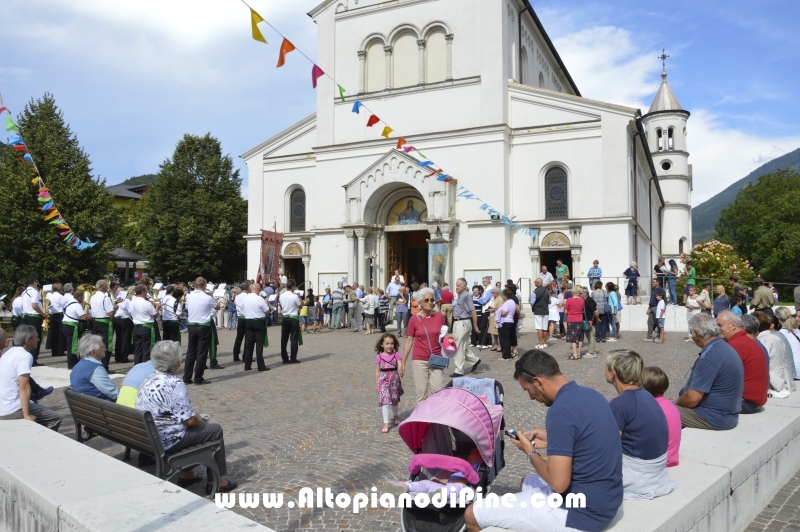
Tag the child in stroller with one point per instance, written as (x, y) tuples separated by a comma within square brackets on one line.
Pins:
[(456, 482)]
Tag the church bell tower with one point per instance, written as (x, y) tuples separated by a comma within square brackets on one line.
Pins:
[(665, 126)]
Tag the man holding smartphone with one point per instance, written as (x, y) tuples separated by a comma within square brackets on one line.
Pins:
[(584, 456)]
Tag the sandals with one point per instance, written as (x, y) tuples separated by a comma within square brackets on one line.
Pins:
[(573, 357), (385, 428), (396, 420)]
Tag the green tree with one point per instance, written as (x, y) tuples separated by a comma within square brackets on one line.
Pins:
[(193, 218), (763, 224), (29, 244)]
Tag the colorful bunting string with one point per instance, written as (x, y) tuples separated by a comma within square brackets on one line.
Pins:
[(48, 204), (317, 72)]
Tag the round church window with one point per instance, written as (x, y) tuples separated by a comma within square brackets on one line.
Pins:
[(299, 210), (557, 193), (665, 166)]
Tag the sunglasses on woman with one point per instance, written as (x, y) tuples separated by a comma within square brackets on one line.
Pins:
[(428, 300)]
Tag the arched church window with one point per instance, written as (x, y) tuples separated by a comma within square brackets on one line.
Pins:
[(660, 138), (670, 139), (376, 67), (523, 72), (541, 80), (681, 243), (297, 211), (405, 61), (555, 194), (435, 57)]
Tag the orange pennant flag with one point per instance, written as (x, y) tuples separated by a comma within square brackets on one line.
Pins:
[(286, 47), (51, 215), (62, 226), (400, 142)]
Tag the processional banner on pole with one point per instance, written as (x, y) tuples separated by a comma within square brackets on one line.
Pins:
[(437, 261), (269, 266)]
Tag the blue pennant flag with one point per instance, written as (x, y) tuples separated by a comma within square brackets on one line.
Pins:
[(28, 157), (426, 163), (47, 206), (356, 106), (13, 141)]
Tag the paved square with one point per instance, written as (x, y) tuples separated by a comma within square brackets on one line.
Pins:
[(318, 423)]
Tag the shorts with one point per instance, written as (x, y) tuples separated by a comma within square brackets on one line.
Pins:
[(304, 320), (529, 518), (686, 289), (317, 320), (661, 323), (542, 323)]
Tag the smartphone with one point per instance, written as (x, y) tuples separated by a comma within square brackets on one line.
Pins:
[(511, 433)]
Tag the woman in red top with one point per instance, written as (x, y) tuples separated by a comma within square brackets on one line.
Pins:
[(423, 339), (573, 311)]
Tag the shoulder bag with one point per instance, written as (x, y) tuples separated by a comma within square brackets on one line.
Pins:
[(435, 361)]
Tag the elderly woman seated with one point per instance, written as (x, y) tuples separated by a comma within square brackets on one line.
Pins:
[(164, 395), (642, 426), (89, 376)]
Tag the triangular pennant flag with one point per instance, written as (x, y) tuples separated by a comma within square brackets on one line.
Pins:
[(421, 154), (70, 236), (373, 119), (341, 92), (386, 132), (20, 147), (57, 221), (10, 126), (44, 200), (28, 158), (74, 239), (46, 206), (400, 142), (316, 73), (15, 140), (52, 214), (443, 177), (286, 47), (35, 180), (3, 109), (356, 106), (64, 233), (408, 148), (255, 18), (426, 163), (62, 226), (89, 244)]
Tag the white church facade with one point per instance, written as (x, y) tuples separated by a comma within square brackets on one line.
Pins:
[(479, 87)]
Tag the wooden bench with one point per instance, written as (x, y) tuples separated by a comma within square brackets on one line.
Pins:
[(135, 429)]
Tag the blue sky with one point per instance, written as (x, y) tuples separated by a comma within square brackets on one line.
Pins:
[(133, 76)]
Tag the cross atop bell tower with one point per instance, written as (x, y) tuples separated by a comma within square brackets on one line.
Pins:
[(663, 58)]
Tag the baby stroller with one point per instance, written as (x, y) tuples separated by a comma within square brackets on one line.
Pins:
[(453, 422)]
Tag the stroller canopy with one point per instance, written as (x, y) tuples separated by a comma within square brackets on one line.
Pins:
[(460, 410)]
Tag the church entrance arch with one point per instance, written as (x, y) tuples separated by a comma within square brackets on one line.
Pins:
[(555, 246), (403, 214)]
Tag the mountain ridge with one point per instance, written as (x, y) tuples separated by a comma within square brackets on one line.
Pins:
[(705, 215)]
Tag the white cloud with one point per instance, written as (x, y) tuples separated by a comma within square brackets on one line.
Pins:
[(607, 66)]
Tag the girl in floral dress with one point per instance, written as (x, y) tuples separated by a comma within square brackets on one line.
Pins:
[(388, 365)]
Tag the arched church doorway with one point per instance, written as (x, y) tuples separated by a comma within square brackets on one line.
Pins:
[(406, 237), (555, 247), (293, 267)]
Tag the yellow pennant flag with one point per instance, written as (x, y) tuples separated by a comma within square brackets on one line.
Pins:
[(255, 18), (51, 215), (386, 131), (34, 180)]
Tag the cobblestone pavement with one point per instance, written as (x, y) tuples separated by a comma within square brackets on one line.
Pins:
[(318, 423), (783, 512)]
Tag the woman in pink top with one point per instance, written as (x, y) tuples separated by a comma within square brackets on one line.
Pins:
[(423, 340), (573, 310), (655, 381)]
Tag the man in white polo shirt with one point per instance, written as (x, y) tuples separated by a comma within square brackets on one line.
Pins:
[(290, 326), (254, 311), (33, 313), (241, 324), (56, 312), (71, 326), (202, 333), (15, 385), (144, 333), (102, 310)]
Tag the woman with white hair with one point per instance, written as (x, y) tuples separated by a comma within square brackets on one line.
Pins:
[(632, 288), (89, 377), (789, 331), (164, 395), (423, 341)]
